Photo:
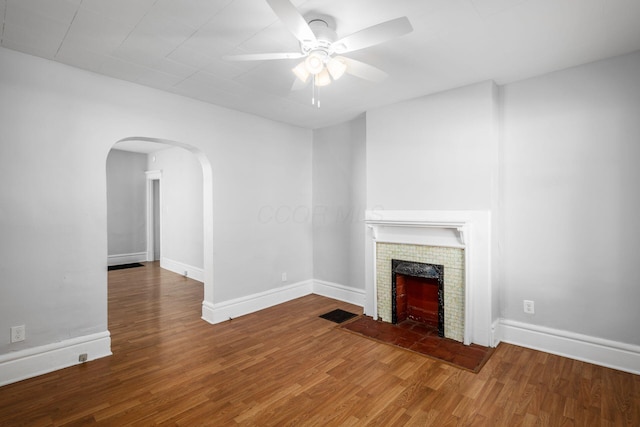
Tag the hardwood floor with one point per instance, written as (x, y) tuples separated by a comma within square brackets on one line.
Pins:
[(287, 366)]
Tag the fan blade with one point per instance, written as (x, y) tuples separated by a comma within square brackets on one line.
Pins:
[(374, 35), (364, 71), (292, 19), (263, 56)]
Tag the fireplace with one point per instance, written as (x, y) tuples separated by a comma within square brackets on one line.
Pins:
[(460, 241), (418, 293), (423, 264)]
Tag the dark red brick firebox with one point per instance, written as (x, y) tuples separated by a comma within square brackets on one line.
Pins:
[(417, 291)]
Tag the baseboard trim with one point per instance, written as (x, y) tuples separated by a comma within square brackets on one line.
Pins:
[(227, 310), (181, 268), (494, 339), (611, 354), (120, 259), (20, 365), (339, 292)]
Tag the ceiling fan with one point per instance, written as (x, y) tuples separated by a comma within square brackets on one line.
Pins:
[(322, 50)]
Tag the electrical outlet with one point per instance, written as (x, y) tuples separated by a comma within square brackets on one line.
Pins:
[(529, 307), (18, 333), (284, 277)]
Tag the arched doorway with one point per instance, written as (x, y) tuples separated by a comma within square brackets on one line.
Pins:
[(207, 202)]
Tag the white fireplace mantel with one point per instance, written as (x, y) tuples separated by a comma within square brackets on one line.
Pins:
[(376, 225), (469, 230)]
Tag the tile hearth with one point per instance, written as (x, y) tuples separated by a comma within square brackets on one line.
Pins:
[(423, 339)]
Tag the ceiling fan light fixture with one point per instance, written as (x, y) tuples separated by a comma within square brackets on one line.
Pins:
[(322, 78), (314, 63), (301, 72), (336, 67)]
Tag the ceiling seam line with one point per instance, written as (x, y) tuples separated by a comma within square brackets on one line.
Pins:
[(197, 29), (137, 24), (68, 29), (4, 19)]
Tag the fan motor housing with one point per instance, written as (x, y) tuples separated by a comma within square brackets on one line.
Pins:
[(322, 27)]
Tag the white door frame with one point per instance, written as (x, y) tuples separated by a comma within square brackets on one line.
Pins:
[(155, 175)]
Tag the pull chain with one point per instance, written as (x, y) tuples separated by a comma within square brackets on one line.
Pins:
[(315, 93)]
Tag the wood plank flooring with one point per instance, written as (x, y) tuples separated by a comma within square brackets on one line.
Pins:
[(286, 366)]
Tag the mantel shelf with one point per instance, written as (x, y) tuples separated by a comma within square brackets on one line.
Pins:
[(458, 226), (429, 224)]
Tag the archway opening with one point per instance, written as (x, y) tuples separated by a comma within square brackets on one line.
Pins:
[(148, 146)]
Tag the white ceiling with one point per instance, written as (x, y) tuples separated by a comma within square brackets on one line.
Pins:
[(177, 45)]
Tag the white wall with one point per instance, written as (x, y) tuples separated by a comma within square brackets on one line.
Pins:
[(572, 199), (58, 125), (339, 191), (436, 152), (182, 198), (262, 198), (126, 203)]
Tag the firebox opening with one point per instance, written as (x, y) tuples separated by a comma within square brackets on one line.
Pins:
[(418, 293), (417, 299)]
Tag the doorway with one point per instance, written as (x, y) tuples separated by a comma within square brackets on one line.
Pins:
[(156, 219), (154, 212), (152, 144)]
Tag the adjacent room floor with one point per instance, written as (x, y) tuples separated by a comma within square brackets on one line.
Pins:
[(287, 366)]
